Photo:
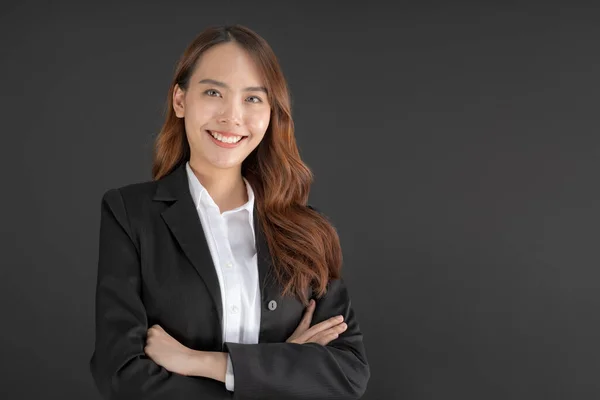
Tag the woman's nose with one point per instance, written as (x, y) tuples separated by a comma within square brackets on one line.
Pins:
[(230, 113)]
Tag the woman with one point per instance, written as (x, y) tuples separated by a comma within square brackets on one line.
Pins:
[(216, 280)]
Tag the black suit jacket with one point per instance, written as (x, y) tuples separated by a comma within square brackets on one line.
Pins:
[(155, 267)]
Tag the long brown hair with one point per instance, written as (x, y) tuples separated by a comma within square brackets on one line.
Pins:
[(304, 245)]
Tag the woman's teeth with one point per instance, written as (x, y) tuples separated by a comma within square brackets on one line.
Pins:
[(225, 139)]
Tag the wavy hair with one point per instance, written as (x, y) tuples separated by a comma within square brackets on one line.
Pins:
[(304, 245)]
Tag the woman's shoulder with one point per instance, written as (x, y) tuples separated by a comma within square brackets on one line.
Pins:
[(134, 199), (135, 191), (133, 204)]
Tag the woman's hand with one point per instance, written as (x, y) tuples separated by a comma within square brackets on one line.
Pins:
[(167, 352), (322, 333)]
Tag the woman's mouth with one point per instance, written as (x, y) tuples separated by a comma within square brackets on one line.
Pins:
[(226, 141)]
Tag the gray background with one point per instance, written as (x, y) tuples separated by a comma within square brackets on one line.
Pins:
[(455, 147)]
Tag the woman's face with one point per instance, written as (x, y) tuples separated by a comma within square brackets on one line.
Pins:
[(225, 108)]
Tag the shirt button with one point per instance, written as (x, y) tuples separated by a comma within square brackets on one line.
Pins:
[(234, 309), (272, 305), (229, 265)]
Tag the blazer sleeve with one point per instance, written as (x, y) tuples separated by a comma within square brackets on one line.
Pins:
[(291, 371), (119, 365)]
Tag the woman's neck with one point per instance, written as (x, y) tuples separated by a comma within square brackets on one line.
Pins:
[(225, 186)]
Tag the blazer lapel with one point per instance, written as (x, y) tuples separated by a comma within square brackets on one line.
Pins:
[(184, 222), (266, 277)]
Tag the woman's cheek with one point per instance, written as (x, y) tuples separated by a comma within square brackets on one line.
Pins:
[(258, 124), (206, 111)]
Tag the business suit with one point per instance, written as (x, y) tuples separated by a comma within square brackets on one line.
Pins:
[(155, 268)]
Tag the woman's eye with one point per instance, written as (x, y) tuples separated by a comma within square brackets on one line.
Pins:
[(212, 92), (255, 99)]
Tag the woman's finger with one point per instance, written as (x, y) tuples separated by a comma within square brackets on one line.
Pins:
[(328, 335), (324, 341), (308, 314), (320, 327), (304, 322)]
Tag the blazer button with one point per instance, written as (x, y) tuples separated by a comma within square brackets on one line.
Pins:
[(272, 305)]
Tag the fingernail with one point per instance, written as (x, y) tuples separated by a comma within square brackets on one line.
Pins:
[(340, 318)]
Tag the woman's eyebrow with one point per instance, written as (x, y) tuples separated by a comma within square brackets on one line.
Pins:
[(224, 85)]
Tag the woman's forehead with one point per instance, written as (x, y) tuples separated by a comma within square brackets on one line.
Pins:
[(230, 65)]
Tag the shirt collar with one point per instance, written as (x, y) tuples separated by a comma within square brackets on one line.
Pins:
[(202, 198)]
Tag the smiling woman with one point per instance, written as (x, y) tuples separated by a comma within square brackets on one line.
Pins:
[(216, 279), (225, 91)]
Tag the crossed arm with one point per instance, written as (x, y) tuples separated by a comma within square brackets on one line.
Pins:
[(122, 370)]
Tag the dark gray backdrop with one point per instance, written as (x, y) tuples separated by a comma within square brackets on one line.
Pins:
[(454, 146)]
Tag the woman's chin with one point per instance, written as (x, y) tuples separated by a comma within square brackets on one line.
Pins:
[(225, 164)]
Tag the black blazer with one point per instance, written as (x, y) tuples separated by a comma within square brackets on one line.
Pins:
[(154, 267)]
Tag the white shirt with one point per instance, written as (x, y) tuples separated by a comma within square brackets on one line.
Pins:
[(230, 238)]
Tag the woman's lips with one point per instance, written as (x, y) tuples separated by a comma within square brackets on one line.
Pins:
[(223, 144)]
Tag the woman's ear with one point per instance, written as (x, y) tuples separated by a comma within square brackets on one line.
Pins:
[(179, 101)]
